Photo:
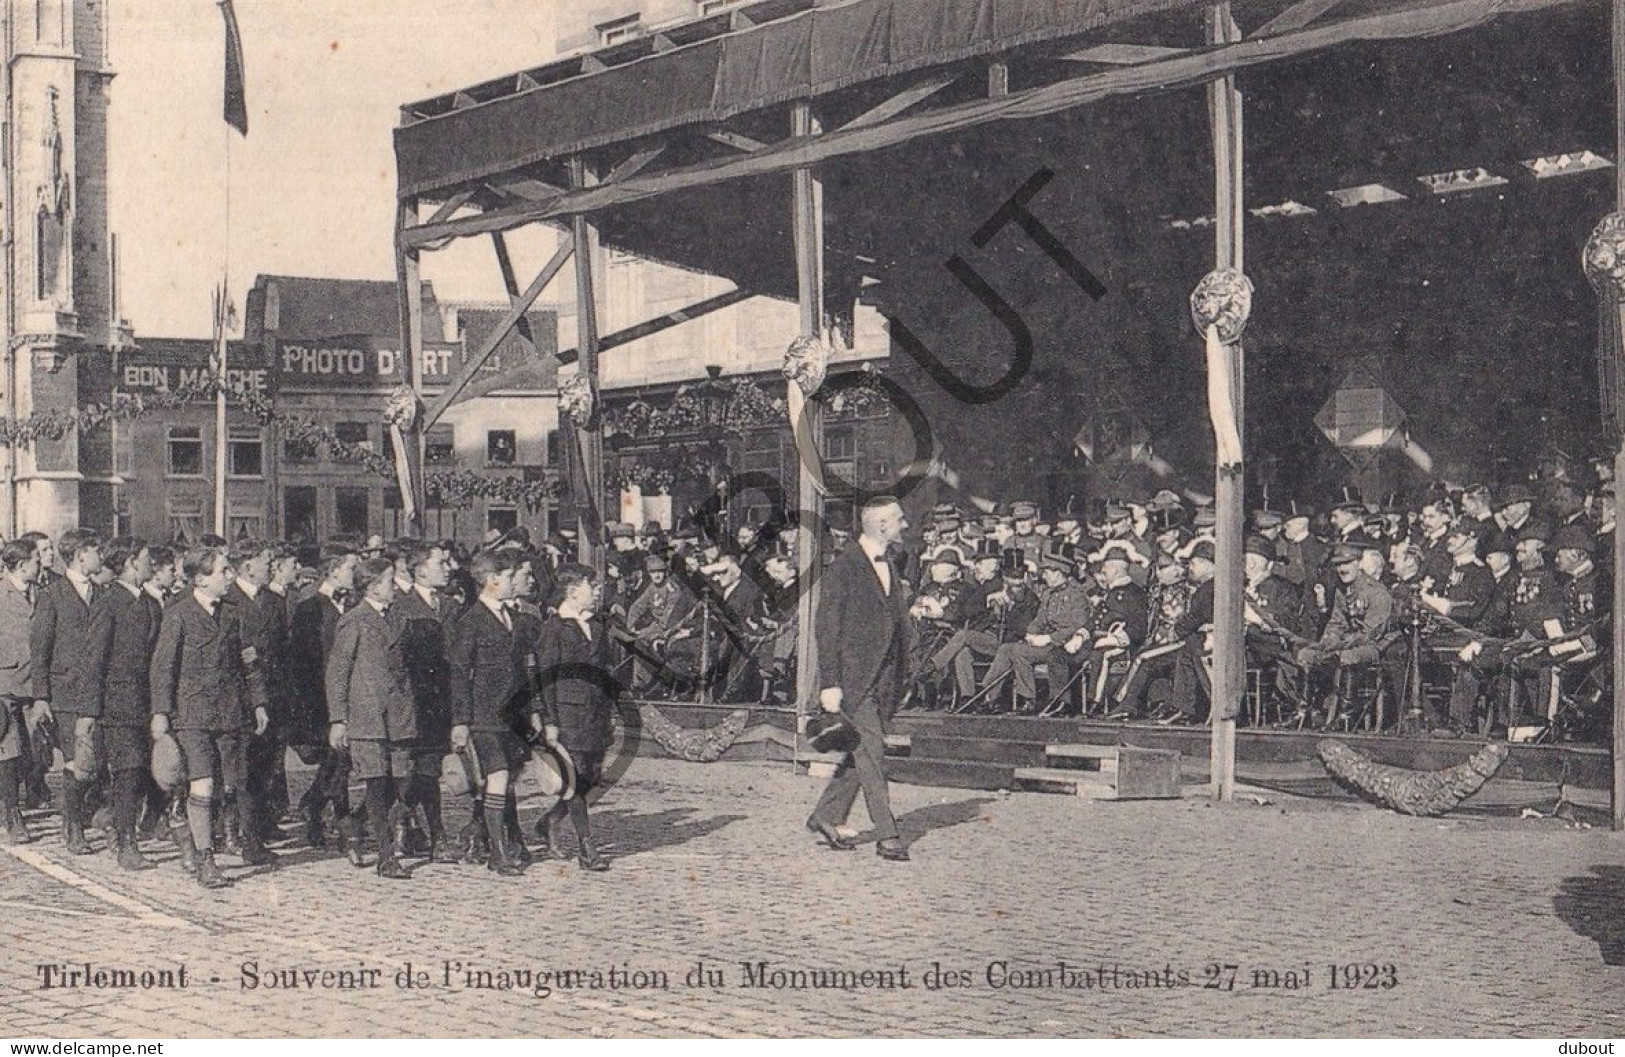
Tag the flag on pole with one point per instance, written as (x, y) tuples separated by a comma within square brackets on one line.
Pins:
[(236, 111)]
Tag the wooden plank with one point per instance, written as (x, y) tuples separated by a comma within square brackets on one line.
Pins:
[(660, 323), (1229, 627), (584, 235), (808, 218), (1124, 54), (448, 207), (510, 282), (635, 164), (904, 100), (504, 326), (737, 141), (1617, 807), (1197, 67), (998, 80), (1297, 16)]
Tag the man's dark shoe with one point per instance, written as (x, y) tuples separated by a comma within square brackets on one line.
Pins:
[(390, 867), (516, 842), (892, 850), (182, 836), (17, 829), (350, 841), (129, 854), (256, 854), (831, 836), (473, 844), (590, 858), (208, 874), (73, 837), (315, 833), (441, 850)]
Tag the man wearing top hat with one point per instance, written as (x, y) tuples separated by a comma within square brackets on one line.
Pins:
[(1064, 611), (1122, 620), (1273, 613), (1514, 512), (864, 637)]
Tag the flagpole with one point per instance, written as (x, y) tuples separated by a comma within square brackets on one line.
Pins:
[(220, 412)]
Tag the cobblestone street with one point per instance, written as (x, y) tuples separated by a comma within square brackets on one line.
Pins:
[(1492, 927)]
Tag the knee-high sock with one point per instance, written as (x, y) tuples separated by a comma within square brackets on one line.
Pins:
[(73, 796), (200, 820), (126, 799)]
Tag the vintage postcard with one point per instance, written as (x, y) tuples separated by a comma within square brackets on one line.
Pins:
[(812, 519)]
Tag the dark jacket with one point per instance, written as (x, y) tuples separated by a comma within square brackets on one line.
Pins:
[(425, 645), (577, 683), (311, 629), (58, 641), (368, 687), (199, 678), (265, 633), (118, 658), (863, 634), (489, 688)]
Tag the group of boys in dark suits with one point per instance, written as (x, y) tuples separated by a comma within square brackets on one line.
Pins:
[(376, 676)]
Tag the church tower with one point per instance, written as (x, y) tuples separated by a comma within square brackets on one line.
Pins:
[(57, 323)]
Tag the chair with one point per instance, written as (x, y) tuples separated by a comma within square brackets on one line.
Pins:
[(1361, 693)]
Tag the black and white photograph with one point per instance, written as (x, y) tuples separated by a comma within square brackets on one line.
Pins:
[(832, 519)]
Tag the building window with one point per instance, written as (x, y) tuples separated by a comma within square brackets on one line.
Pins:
[(245, 453), (121, 518), (716, 7), (760, 453), (299, 513), (840, 454), (249, 525), (356, 433), (300, 449), (185, 519), (501, 449), (124, 453), (501, 518), (186, 451), (619, 29), (350, 511), (440, 445), (554, 455)]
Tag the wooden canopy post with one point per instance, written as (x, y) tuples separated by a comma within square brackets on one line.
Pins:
[(411, 296), (1229, 629), (809, 245), (584, 236), (1617, 803)]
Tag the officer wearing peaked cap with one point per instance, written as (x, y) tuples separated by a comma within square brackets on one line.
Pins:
[(1063, 613), (1026, 538)]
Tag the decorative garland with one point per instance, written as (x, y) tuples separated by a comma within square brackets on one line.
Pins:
[(748, 406), (696, 744), (645, 478), (126, 407), (460, 488)]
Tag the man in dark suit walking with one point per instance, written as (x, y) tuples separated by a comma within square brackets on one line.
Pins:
[(865, 638), (575, 666), (124, 626), (264, 634), (428, 615), (202, 684), (59, 640), (370, 704), (311, 629), (490, 694)]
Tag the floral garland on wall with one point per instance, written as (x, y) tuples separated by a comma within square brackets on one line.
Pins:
[(748, 406), (457, 488), (460, 488)]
